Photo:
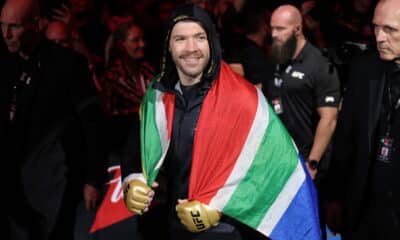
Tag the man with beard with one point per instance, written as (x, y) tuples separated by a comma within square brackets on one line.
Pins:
[(304, 90), (223, 149)]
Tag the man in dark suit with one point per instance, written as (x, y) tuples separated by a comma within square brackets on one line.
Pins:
[(365, 177), (50, 129)]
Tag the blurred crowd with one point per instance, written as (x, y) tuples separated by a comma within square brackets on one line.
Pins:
[(121, 41)]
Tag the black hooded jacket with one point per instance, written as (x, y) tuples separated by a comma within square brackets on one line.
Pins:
[(188, 104), (188, 100)]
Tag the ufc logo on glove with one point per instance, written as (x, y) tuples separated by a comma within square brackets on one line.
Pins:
[(197, 220)]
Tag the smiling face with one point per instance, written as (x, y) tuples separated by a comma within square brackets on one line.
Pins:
[(134, 43), (190, 51), (387, 30)]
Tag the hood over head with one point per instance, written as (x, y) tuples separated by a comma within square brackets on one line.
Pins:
[(190, 12)]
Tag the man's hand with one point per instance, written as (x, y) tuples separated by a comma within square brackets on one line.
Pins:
[(196, 216), (137, 196), (313, 172), (91, 196)]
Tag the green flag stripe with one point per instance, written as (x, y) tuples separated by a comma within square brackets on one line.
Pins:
[(151, 150), (283, 201), (274, 163), (162, 126)]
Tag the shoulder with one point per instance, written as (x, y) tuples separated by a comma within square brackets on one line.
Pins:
[(318, 63), (56, 54), (114, 71), (314, 60), (366, 67), (146, 66), (147, 70), (370, 56), (366, 63), (315, 54)]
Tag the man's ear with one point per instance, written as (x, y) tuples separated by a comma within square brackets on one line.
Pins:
[(298, 29)]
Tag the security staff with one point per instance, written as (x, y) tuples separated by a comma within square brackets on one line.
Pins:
[(304, 90), (364, 179)]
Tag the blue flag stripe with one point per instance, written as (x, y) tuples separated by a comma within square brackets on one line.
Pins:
[(300, 221)]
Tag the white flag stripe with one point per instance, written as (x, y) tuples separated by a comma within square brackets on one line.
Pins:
[(246, 156), (162, 126), (283, 201)]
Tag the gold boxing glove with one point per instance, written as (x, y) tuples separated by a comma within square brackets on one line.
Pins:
[(196, 216), (137, 196)]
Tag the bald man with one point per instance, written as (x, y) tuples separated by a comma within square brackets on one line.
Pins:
[(50, 121), (365, 176), (59, 32), (20, 26), (304, 90)]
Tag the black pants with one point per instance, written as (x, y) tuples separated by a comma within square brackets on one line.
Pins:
[(223, 231), (23, 223), (380, 221), (228, 229)]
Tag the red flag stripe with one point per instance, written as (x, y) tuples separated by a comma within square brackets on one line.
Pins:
[(228, 110), (169, 100)]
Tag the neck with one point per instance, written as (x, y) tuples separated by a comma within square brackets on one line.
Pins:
[(189, 81), (300, 45), (27, 52)]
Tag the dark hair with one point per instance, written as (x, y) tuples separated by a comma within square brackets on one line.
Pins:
[(121, 31), (112, 51)]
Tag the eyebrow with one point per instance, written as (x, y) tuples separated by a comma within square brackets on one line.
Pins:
[(392, 26), (189, 35)]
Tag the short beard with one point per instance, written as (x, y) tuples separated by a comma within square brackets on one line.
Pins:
[(282, 53)]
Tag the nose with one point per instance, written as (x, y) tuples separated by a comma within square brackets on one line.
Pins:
[(191, 44), (142, 43), (274, 33), (380, 35)]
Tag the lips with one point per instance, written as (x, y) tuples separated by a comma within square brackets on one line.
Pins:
[(11, 44), (382, 49), (382, 46), (192, 60), (191, 55)]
